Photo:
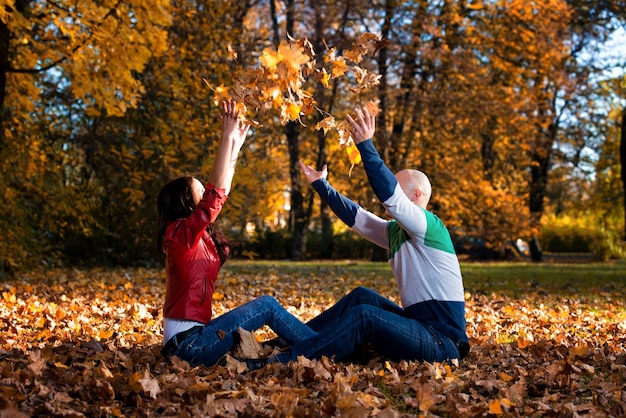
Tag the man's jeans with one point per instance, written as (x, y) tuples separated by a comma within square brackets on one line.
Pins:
[(220, 335), (363, 316)]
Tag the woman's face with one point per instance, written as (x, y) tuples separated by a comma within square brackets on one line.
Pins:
[(197, 190)]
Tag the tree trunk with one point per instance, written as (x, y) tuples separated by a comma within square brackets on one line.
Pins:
[(622, 154), (298, 221), (539, 175), (539, 168), (4, 67), (297, 216)]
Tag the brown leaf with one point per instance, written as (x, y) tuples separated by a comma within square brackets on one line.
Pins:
[(248, 346), (150, 385), (37, 363)]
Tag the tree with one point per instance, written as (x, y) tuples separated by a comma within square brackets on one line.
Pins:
[(622, 153), (490, 99), (59, 60), (172, 132)]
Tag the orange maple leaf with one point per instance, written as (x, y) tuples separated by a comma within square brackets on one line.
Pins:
[(355, 55), (322, 76), (495, 407), (372, 107), (292, 55), (339, 67), (269, 59), (290, 112), (365, 79), (353, 154), (326, 124)]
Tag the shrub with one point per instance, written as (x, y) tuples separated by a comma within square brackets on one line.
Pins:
[(580, 234), (266, 245), (277, 245)]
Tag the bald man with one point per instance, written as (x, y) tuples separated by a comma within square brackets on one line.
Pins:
[(430, 324)]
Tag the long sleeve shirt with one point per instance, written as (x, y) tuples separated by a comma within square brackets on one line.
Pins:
[(421, 254)]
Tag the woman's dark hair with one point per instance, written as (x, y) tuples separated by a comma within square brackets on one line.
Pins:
[(175, 201)]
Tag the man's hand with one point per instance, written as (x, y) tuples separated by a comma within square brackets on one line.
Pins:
[(363, 127), (311, 174)]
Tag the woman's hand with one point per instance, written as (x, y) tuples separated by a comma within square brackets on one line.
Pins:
[(234, 131), (311, 174), (363, 127), (233, 127)]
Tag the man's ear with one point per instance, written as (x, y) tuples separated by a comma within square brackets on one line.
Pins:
[(417, 193)]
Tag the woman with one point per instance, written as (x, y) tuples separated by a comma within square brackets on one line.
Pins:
[(194, 253)]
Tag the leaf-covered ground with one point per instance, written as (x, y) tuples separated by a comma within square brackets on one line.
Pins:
[(86, 343)]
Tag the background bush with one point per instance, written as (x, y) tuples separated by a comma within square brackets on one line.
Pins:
[(582, 234), (277, 245)]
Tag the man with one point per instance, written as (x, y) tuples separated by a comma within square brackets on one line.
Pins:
[(430, 325)]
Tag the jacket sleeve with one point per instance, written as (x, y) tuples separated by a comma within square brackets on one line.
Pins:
[(188, 231), (409, 216), (366, 224), (381, 179)]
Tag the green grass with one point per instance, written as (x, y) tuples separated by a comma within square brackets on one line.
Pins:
[(588, 279), (510, 278)]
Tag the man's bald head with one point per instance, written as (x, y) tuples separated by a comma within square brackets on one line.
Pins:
[(415, 185)]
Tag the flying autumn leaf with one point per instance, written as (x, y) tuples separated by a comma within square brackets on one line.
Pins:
[(322, 76), (326, 124), (340, 67), (232, 54), (354, 156), (365, 80), (289, 112), (372, 107)]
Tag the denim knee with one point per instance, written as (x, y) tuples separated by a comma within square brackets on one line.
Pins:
[(362, 290), (362, 293), (266, 300)]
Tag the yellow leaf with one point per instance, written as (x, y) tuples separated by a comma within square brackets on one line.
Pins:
[(505, 377), (354, 156), (105, 334), (322, 76), (232, 54), (339, 67), (495, 407), (292, 111), (8, 297), (292, 55), (270, 59)]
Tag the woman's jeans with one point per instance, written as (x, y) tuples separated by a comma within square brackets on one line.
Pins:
[(363, 316), (220, 335)]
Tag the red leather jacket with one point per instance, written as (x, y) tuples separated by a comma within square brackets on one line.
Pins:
[(192, 261)]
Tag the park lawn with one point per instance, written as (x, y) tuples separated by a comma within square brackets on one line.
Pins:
[(547, 340)]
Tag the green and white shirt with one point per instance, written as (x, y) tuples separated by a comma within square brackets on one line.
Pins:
[(421, 253)]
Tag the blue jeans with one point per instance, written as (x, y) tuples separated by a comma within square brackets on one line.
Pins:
[(220, 335), (363, 317), (358, 296)]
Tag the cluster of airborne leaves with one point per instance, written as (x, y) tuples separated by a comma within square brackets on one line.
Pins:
[(86, 343), (279, 82)]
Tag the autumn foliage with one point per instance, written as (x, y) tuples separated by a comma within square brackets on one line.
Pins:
[(86, 343), (104, 101), (278, 84)]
